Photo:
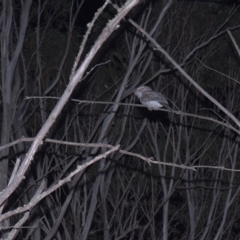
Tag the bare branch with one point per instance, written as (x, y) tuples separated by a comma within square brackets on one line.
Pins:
[(111, 26), (39, 196), (158, 47)]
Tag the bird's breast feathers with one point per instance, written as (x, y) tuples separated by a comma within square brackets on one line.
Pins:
[(152, 105)]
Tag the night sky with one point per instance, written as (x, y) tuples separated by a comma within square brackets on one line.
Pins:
[(87, 12)]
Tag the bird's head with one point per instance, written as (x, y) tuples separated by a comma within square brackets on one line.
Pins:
[(140, 90)]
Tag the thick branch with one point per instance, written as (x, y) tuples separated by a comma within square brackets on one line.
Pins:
[(111, 26)]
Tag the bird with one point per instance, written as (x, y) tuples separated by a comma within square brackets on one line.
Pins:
[(150, 99)]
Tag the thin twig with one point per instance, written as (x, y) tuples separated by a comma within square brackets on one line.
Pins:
[(227, 76), (147, 159), (234, 42), (89, 29), (139, 105)]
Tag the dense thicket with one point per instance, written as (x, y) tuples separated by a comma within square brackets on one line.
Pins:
[(121, 195)]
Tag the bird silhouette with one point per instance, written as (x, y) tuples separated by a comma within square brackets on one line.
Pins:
[(150, 99)]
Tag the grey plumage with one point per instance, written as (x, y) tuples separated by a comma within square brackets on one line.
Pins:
[(152, 100)]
